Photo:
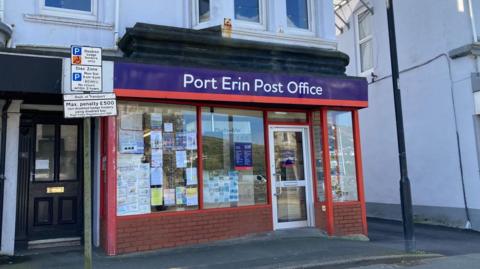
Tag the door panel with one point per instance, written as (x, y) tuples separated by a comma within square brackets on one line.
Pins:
[(54, 177), (290, 176)]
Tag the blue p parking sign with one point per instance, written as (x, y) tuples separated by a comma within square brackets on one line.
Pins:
[(77, 76), (77, 51)]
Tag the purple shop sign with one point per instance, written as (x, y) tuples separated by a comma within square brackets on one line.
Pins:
[(146, 80)]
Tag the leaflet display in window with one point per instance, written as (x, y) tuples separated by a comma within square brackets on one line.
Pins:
[(164, 138)]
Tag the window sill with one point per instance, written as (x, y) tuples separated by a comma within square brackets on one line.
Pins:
[(281, 38), (67, 21)]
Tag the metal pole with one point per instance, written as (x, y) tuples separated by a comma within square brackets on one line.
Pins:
[(87, 196), (405, 193)]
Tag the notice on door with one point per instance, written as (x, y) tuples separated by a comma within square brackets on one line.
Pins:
[(89, 105)]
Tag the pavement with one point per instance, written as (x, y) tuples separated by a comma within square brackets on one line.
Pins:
[(299, 248)]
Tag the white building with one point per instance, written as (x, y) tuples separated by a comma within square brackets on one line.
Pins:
[(438, 48), (58, 24)]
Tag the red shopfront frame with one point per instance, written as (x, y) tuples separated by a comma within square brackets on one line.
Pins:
[(108, 203)]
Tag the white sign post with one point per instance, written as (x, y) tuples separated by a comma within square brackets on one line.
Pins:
[(85, 99)]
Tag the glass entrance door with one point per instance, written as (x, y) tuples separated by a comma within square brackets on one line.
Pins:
[(290, 176)]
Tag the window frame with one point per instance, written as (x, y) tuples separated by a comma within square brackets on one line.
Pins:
[(359, 42), (70, 13), (202, 156), (352, 120), (262, 18), (310, 31), (195, 10)]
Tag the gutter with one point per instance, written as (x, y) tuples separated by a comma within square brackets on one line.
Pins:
[(3, 141)]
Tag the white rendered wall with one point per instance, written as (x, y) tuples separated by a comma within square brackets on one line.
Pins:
[(431, 98), (34, 28)]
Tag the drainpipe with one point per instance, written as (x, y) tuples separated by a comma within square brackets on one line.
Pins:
[(472, 21), (2, 9), (3, 141), (117, 27)]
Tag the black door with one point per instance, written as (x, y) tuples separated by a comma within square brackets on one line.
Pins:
[(50, 178)]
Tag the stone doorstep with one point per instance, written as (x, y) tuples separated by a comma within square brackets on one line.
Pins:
[(57, 242)]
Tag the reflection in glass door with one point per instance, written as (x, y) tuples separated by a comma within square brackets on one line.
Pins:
[(290, 174)]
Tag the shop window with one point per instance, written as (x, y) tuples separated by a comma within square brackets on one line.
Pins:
[(233, 158), (247, 10), (297, 14), (342, 156), (81, 9), (203, 10), (157, 158), (317, 141), (281, 116), (365, 41)]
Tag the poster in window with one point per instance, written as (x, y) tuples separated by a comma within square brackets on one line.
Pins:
[(233, 187), (131, 142), (243, 156), (168, 141), (156, 176), (168, 127), (191, 174), (157, 158), (156, 195), (191, 141), (180, 141), (180, 195), (156, 121), (156, 139), (192, 196), (133, 189), (181, 158), (169, 196), (132, 122)]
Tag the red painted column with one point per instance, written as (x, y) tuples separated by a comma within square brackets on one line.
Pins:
[(359, 169), (200, 157), (111, 190), (326, 169), (266, 133), (314, 160)]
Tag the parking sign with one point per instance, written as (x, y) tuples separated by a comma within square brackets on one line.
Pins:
[(86, 69)]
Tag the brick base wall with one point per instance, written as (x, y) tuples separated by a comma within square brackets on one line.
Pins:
[(320, 217), (141, 233), (103, 234), (348, 219)]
